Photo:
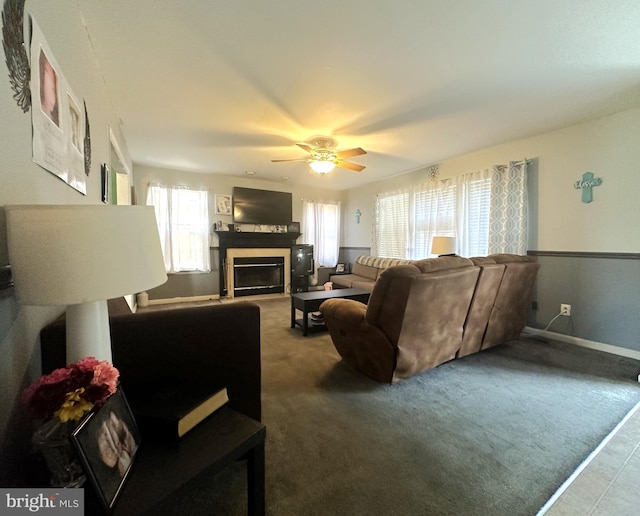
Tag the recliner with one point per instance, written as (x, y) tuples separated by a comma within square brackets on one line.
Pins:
[(422, 314)]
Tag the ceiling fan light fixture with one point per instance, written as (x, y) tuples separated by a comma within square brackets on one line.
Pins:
[(322, 167)]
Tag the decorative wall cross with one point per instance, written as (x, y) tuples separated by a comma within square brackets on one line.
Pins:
[(586, 184)]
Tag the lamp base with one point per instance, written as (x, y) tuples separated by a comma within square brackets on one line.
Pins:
[(88, 333)]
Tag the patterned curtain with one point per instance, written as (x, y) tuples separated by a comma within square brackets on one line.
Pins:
[(508, 213)]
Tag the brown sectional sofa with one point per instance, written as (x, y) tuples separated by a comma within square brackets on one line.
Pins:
[(366, 270), (427, 312)]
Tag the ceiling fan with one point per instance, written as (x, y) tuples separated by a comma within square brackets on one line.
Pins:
[(324, 158)]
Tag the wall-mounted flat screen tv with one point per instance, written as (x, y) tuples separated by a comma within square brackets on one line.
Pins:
[(252, 206)]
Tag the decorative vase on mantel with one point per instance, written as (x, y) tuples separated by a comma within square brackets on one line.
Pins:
[(53, 441)]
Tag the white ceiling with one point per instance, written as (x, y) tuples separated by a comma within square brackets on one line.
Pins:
[(224, 86)]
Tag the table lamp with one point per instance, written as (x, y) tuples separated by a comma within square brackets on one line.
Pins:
[(81, 256), (443, 245)]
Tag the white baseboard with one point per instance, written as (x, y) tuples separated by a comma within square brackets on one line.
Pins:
[(599, 346), (190, 299)]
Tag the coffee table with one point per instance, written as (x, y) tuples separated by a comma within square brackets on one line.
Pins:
[(310, 302)]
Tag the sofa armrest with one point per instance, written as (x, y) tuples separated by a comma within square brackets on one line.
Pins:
[(347, 311), (213, 344)]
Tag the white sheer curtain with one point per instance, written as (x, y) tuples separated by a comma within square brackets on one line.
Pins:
[(183, 223), (508, 215), (321, 228)]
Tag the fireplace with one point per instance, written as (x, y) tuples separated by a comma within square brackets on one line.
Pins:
[(250, 272), (258, 275)]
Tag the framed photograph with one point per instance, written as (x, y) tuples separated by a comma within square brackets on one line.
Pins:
[(104, 183), (340, 267), (223, 204), (294, 227), (107, 441)]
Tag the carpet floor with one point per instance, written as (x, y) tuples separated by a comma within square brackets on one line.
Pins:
[(494, 433)]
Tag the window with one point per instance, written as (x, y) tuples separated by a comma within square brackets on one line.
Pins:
[(392, 225), (407, 221), (321, 228), (485, 210), (183, 223)]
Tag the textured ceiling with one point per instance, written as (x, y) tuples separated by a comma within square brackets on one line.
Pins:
[(224, 86)]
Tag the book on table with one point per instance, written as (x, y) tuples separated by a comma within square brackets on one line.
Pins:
[(176, 407)]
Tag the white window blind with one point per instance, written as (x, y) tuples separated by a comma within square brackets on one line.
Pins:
[(391, 231), (474, 206)]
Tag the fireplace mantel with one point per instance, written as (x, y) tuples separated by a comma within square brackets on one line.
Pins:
[(254, 239)]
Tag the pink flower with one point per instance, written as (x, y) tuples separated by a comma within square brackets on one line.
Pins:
[(105, 373), (92, 380)]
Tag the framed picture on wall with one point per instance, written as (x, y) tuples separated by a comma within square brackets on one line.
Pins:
[(223, 204), (104, 181)]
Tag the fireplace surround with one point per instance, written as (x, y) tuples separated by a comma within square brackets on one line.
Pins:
[(254, 247)]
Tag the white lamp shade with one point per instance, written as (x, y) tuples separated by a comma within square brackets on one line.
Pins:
[(66, 255), (443, 245)]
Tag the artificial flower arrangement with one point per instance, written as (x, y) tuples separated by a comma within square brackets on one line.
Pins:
[(70, 392)]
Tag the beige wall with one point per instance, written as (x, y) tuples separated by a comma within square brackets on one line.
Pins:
[(23, 182), (608, 147)]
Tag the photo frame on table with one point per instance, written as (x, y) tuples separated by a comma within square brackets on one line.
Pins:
[(223, 204), (340, 267), (107, 441)]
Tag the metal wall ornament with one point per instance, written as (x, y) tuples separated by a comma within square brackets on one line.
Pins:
[(15, 52), (432, 173)]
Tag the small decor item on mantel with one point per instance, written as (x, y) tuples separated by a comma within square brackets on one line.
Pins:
[(60, 400)]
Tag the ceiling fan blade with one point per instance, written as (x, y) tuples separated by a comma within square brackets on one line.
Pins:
[(350, 153), (351, 166), (279, 160), (305, 147)]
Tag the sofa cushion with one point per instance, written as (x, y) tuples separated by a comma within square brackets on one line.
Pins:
[(364, 271), (363, 283), (343, 280)]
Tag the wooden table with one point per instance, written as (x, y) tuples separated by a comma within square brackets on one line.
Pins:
[(310, 302), (161, 467)]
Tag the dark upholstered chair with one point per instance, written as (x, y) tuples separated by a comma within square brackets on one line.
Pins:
[(212, 344)]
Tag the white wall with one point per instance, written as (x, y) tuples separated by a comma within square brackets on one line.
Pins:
[(608, 147), (23, 182)]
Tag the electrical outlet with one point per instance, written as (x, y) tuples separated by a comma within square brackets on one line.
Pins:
[(565, 310)]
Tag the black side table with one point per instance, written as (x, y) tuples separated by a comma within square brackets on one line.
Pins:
[(162, 467)]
